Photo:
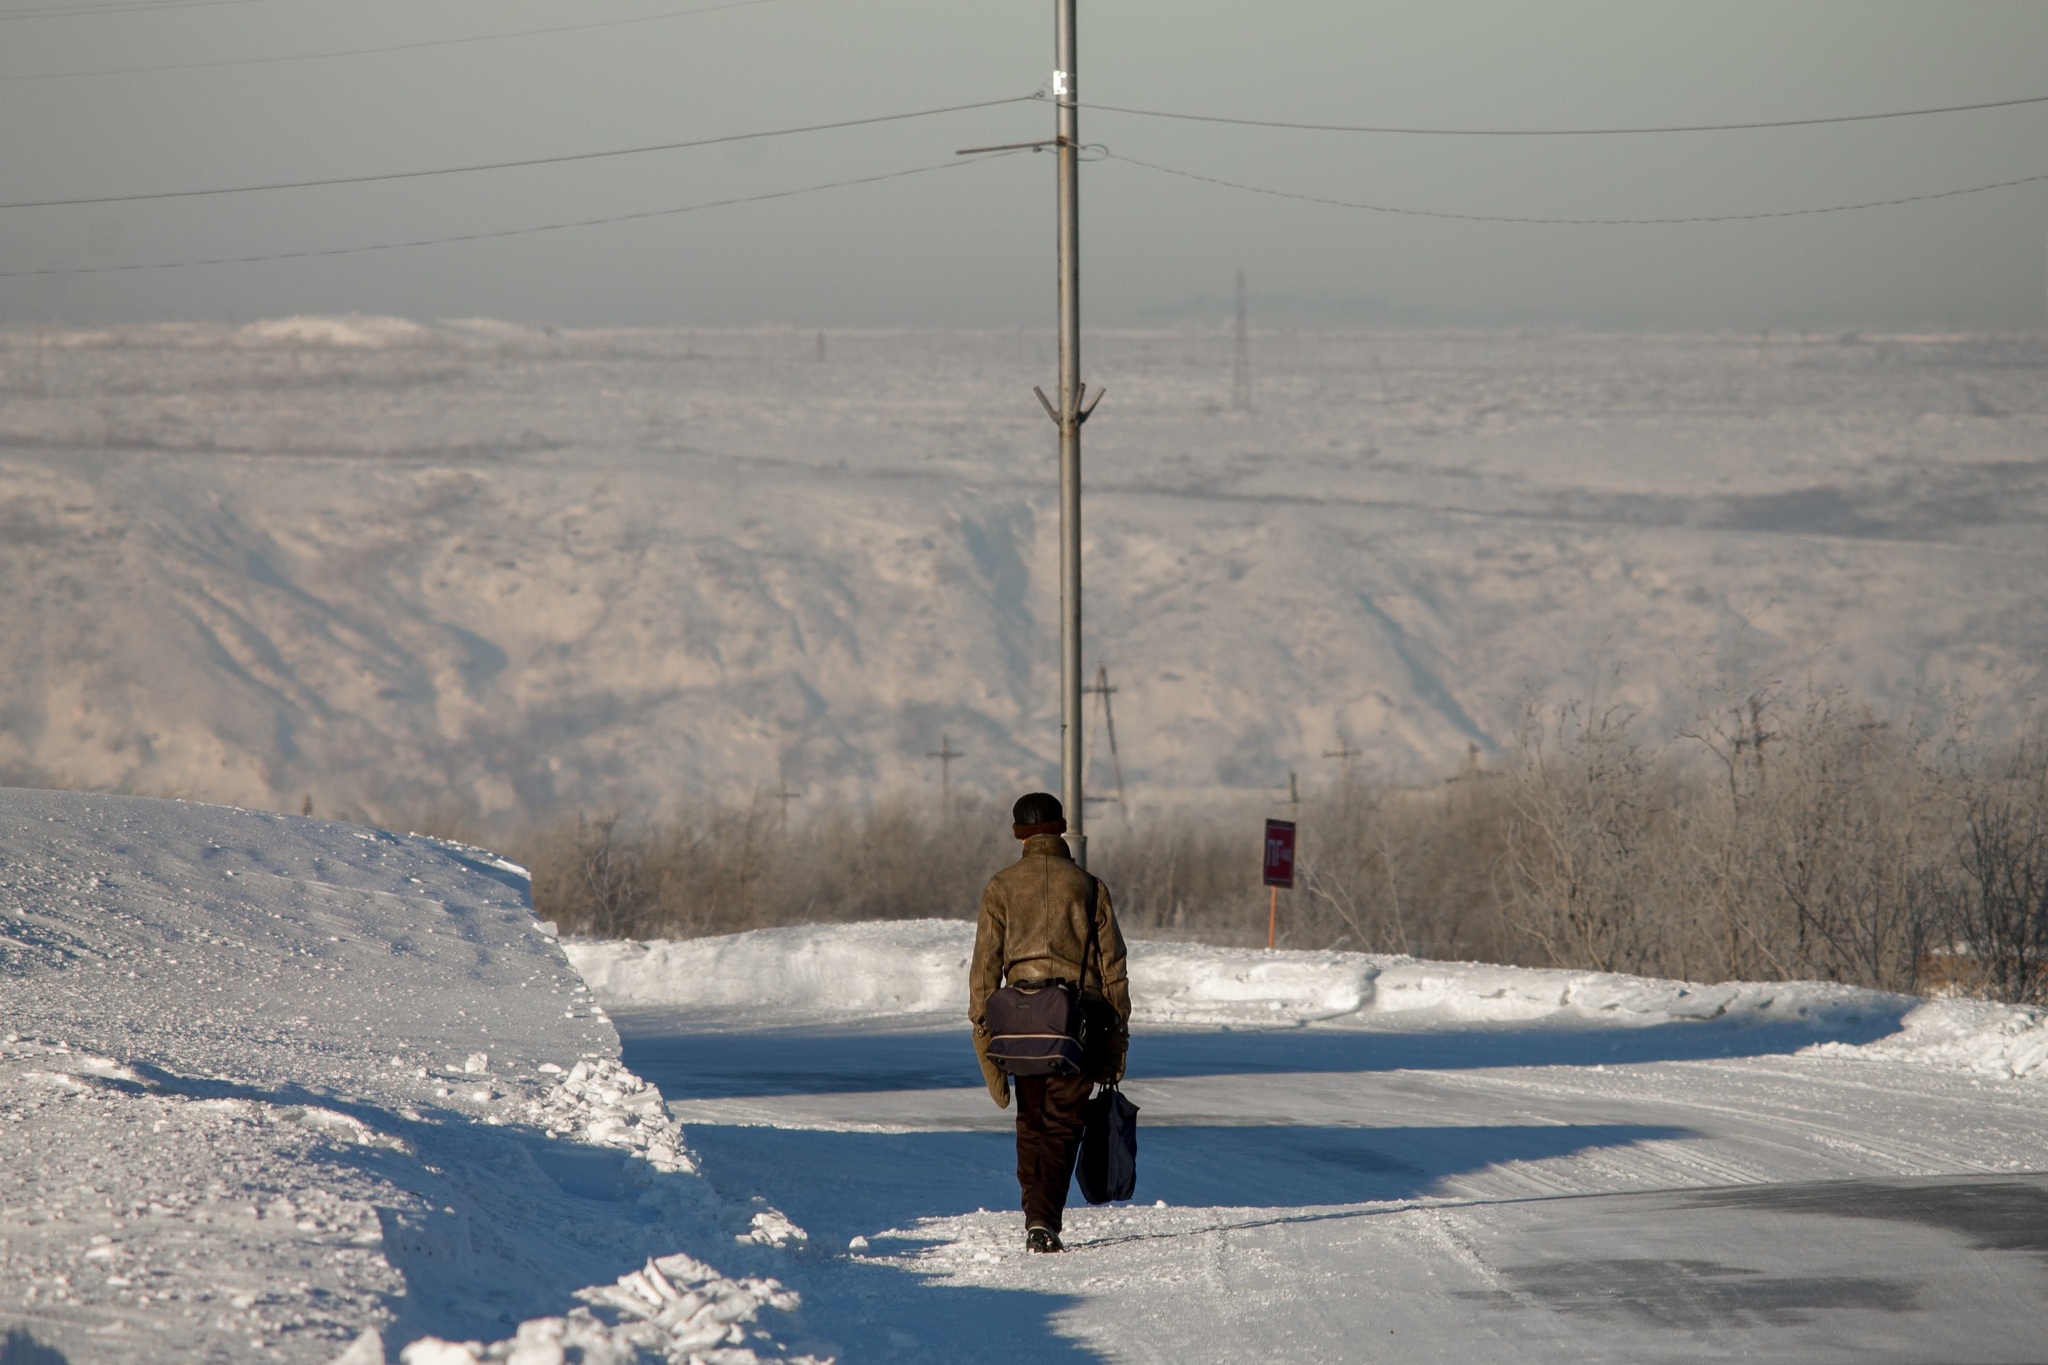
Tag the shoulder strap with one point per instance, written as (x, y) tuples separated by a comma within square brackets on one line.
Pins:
[(1093, 948)]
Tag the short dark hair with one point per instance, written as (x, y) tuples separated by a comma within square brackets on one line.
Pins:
[(1037, 808)]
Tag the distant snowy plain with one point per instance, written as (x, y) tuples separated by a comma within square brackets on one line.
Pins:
[(398, 567)]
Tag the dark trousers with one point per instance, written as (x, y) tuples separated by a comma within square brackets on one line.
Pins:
[(1049, 1111)]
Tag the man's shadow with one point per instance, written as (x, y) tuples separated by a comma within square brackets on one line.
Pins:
[(882, 1181), (19, 1348)]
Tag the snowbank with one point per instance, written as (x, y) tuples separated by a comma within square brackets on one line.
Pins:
[(899, 967), (275, 1088), (1966, 1035), (919, 967)]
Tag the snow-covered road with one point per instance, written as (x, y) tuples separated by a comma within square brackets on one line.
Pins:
[(1401, 1185)]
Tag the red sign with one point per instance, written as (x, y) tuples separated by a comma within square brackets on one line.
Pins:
[(1280, 853)]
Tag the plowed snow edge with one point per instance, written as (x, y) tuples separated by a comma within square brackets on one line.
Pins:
[(280, 1089)]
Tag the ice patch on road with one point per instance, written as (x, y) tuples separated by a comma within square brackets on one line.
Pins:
[(828, 973)]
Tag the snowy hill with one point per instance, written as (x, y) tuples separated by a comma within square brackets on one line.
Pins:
[(272, 1088), (399, 567)]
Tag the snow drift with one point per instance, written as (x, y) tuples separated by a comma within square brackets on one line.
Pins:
[(274, 1088), (919, 967)]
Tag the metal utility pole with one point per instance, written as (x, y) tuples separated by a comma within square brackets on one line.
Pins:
[(1241, 359), (1067, 113), (1074, 408)]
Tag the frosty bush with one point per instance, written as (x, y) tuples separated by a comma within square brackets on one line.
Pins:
[(1784, 835), (722, 868)]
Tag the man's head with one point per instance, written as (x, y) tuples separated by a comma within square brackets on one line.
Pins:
[(1037, 813)]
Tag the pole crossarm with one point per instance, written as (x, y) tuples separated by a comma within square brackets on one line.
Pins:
[(945, 753), (1039, 145), (1081, 415)]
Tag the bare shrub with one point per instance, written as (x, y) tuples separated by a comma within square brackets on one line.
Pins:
[(1781, 837), (1992, 897), (1403, 870), (1784, 835), (594, 880), (1191, 878), (725, 868), (1589, 815), (1851, 817), (1383, 870)]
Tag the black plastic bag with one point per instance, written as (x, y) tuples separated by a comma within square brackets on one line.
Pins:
[(1108, 1168)]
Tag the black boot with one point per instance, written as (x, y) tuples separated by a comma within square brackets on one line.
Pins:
[(1042, 1240)]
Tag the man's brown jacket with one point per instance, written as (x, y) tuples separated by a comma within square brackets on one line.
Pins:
[(1034, 927)]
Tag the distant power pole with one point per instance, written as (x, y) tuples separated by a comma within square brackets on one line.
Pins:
[(1101, 688), (945, 753), (1241, 360), (785, 796), (1344, 753)]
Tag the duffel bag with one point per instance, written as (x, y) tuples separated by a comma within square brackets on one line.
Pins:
[(1035, 1031)]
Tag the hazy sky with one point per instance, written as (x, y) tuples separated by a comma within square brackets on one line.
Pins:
[(972, 246)]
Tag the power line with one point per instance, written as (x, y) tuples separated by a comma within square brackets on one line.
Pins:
[(388, 47), (88, 11), (1568, 132), (497, 233), (1570, 222), (507, 165)]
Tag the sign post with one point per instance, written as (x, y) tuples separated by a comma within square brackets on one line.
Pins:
[(1279, 871)]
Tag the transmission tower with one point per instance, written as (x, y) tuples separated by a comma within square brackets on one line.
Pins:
[(783, 794), (945, 753)]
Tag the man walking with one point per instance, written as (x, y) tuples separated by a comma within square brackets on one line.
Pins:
[(1035, 931)]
